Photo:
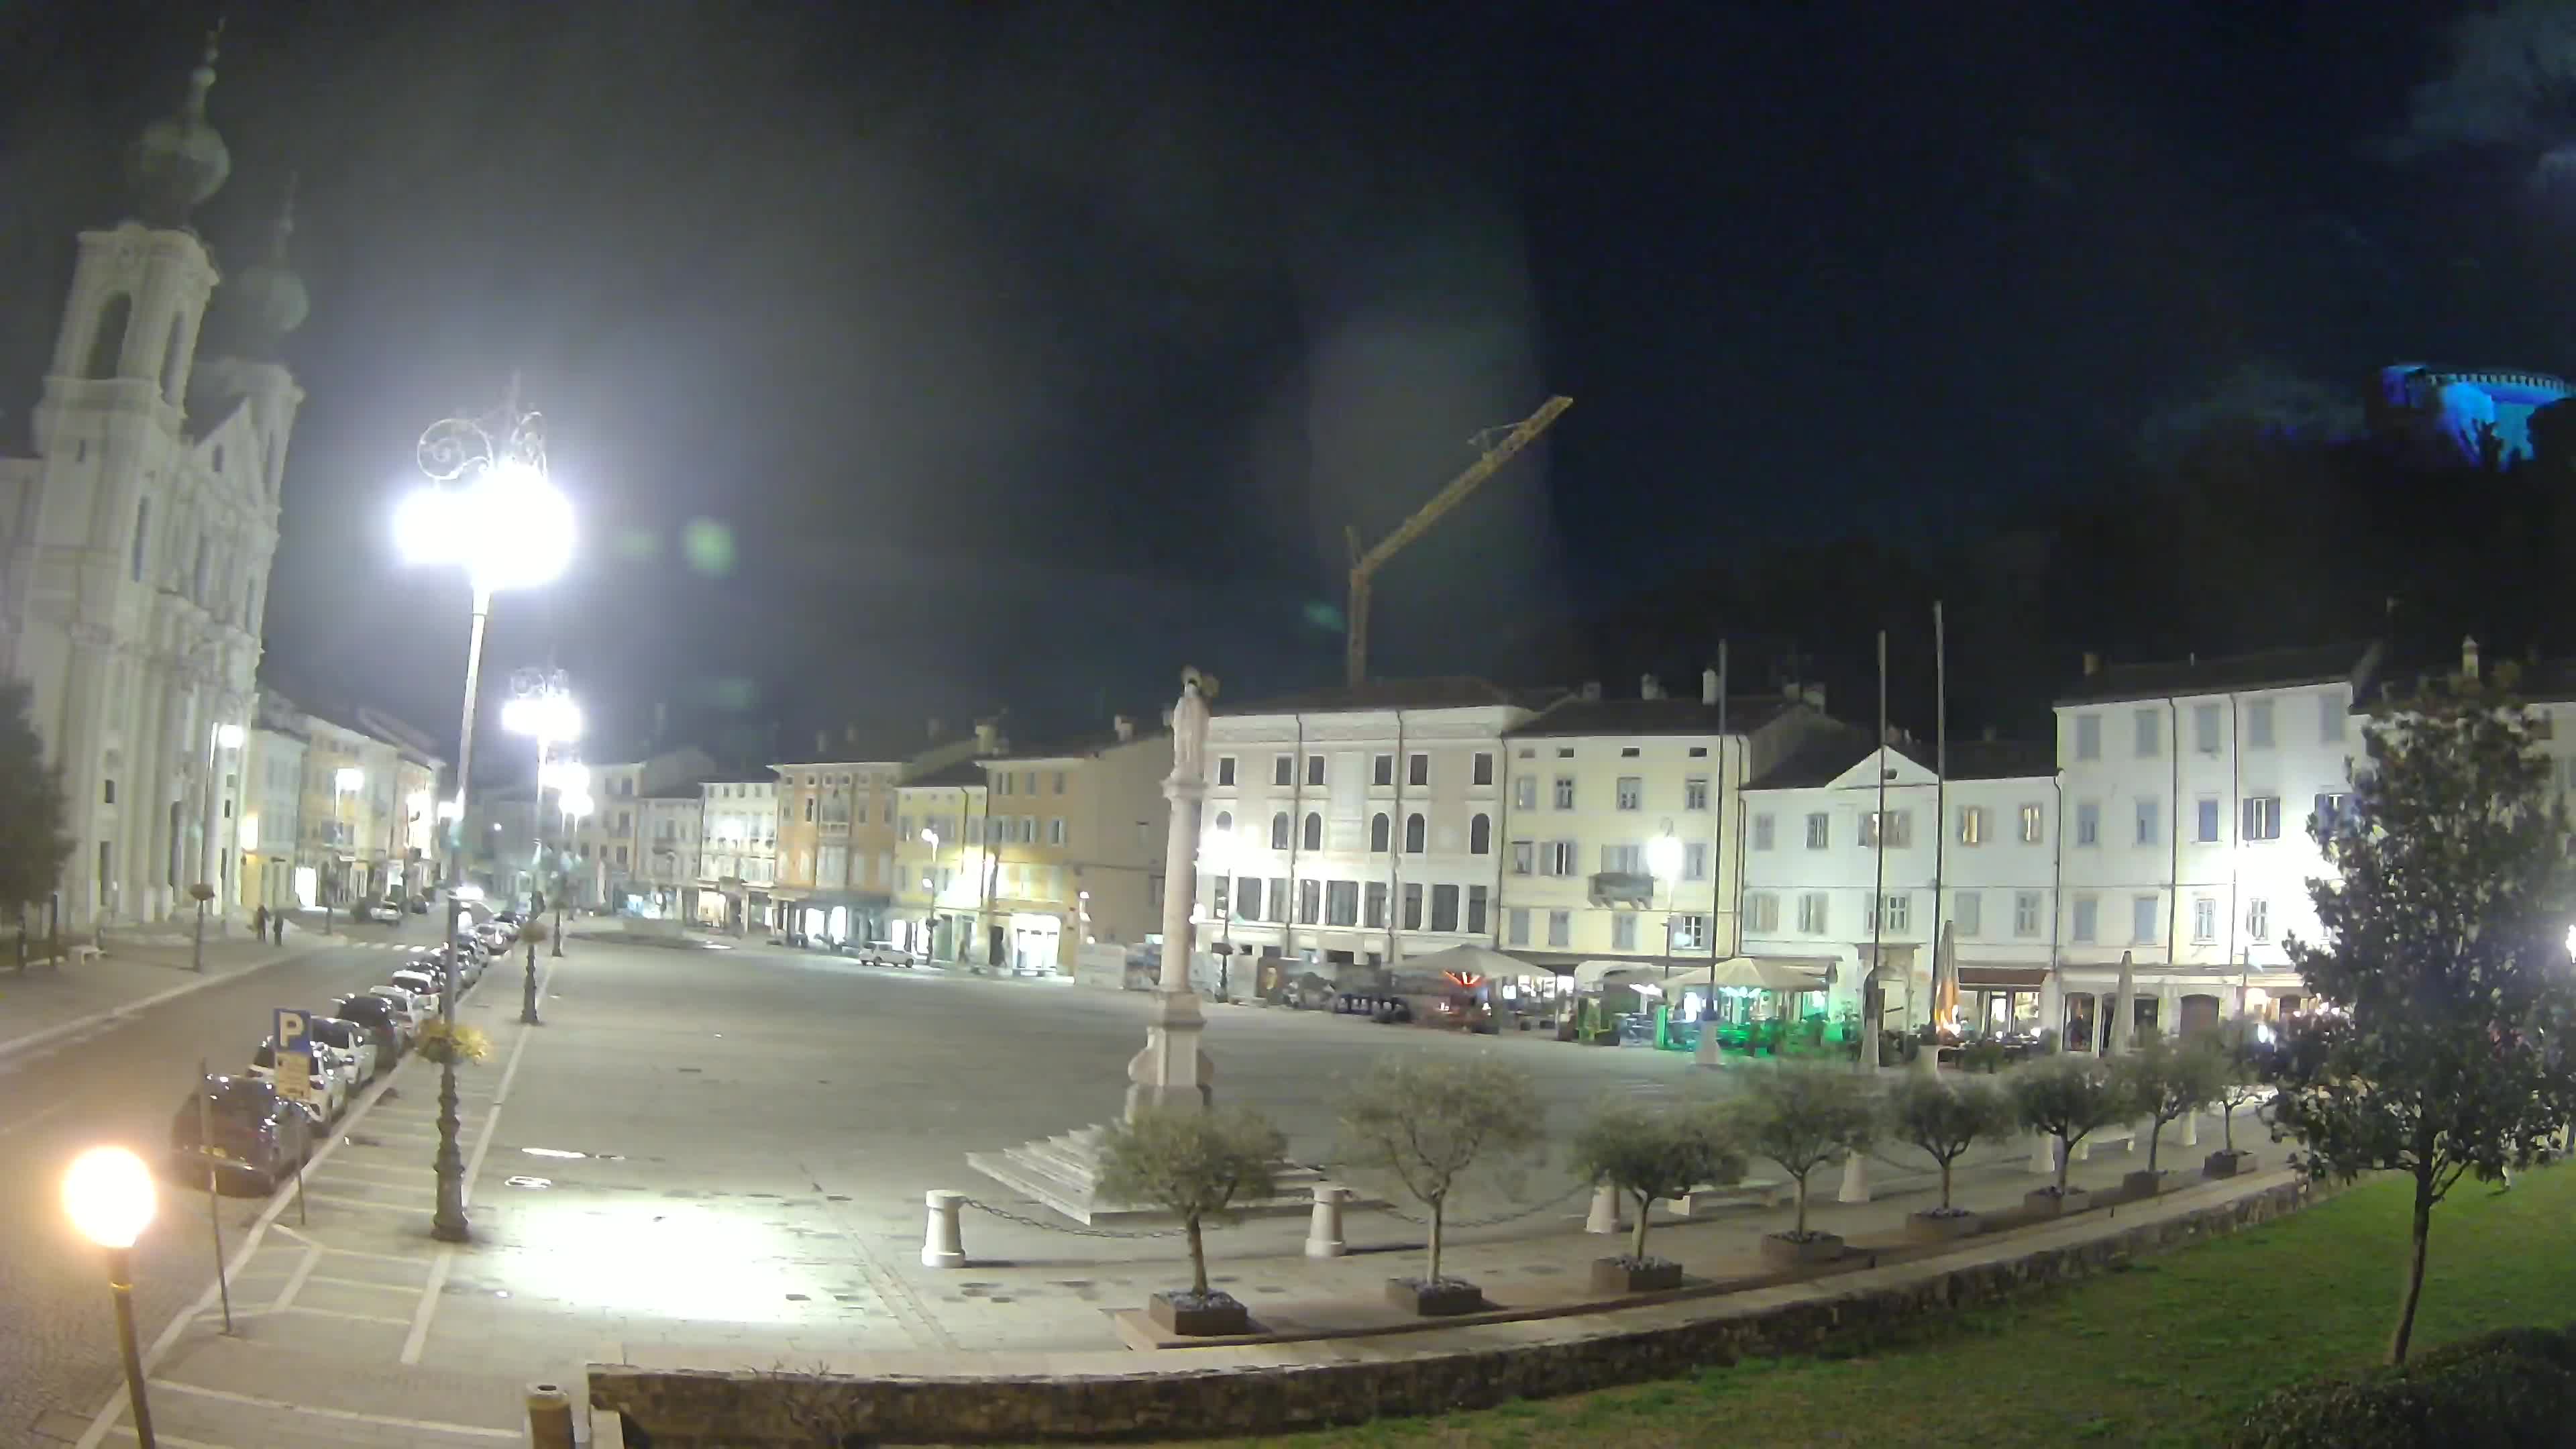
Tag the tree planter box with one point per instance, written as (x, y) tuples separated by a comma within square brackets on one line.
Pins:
[(2224, 1163), (1190, 1315), (1444, 1299), (1783, 1251), (2047, 1202), (2143, 1183), (1935, 1226), (1632, 1275)]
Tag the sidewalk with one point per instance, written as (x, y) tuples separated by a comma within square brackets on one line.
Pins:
[(51, 1003)]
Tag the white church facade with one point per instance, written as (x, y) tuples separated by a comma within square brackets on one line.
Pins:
[(138, 538)]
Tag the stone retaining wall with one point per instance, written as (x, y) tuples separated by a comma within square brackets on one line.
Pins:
[(1015, 1401)]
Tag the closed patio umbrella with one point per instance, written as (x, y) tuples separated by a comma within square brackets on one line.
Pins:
[(2120, 1012)]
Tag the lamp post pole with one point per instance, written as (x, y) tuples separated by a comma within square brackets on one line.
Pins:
[(508, 527)]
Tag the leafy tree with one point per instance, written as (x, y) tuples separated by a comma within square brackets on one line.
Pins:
[(1945, 1120), (33, 842), (2238, 1068), (2165, 1080), (1427, 1123), (1799, 1117), (1648, 1154), (2443, 964), (1194, 1164), (2069, 1098)]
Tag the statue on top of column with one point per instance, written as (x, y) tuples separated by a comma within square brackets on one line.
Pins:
[(1190, 725)]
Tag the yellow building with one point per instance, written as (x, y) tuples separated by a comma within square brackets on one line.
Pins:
[(1075, 834), (942, 897), (837, 837)]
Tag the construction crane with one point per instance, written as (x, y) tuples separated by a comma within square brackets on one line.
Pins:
[(1364, 566)]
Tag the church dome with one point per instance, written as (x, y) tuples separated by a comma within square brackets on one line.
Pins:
[(179, 161), (266, 300)]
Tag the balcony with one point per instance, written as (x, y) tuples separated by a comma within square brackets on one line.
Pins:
[(1623, 887)]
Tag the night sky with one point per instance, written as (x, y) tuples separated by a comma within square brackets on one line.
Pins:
[(916, 359)]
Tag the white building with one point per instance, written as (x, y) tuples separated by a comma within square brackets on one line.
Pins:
[(1830, 883), (272, 807), (2188, 788), (138, 538), (1596, 784), (738, 854), (671, 824), (1353, 827), (613, 837)]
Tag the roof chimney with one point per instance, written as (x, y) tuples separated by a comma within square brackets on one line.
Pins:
[(935, 723), (2092, 664), (1708, 686), (1125, 724), (1592, 690), (1989, 735), (822, 743), (1649, 687), (850, 735), (988, 737), (2468, 656)]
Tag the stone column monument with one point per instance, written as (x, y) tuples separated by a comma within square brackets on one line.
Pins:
[(1063, 1172), (1172, 1071)]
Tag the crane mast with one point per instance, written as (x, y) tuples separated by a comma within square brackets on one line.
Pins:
[(1364, 566)]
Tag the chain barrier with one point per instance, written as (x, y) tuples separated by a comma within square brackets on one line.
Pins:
[(1008, 1216), (1493, 1222)]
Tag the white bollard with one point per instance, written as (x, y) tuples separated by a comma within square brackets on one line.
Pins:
[(2043, 1154), (941, 1246), (1855, 1186), (1324, 1228), (2084, 1150), (1604, 1216), (2191, 1129)]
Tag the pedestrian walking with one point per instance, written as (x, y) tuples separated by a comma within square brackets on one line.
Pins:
[(259, 923), (277, 924)]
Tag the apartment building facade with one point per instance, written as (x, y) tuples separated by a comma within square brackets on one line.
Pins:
[(1347, 829), (612, 839), (2188, 788), (1622, 820), (1835, 886), (1075, 832), (943, 870), (738, 853), (837, 811)]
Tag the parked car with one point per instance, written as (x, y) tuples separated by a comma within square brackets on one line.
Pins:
[(886, 953), (417, 905), (334, 1076), (380, 1019), (423, 984), (414, 1011), (431, 961), (244, 1129), (353, 1038)]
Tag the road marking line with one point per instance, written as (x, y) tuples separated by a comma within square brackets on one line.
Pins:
[(173, 1440), (363, 1253), (336, 1313), (346, 1416), (295, 1281), (427, 1308), (360, 1202), (39, 1115), (363, 1283)]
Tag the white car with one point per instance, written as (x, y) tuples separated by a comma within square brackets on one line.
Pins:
[(414, 1011), (885, 953), (335, 1075), (421, 983), (353, 1038)]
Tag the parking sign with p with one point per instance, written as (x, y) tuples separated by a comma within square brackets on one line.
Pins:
[(294, 1055)]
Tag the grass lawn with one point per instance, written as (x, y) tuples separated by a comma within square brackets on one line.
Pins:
[(2167, 1352)]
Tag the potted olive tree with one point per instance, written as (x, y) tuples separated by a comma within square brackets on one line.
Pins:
[(2164, 1081), (1800, 1118), (2240, 1084), (1424, 1125), (1195, 1165), (1943, 1119), (1647, 1155), (2067, 1098)]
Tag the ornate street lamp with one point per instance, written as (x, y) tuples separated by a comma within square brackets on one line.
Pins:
[(491, 510), (108, 1196)]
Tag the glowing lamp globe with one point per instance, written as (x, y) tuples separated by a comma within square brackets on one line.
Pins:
[(509, 528), (545, 716), (108, 1195), (1664, 856)]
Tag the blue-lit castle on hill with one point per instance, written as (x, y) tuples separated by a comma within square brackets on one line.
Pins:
[(2458, 409)]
